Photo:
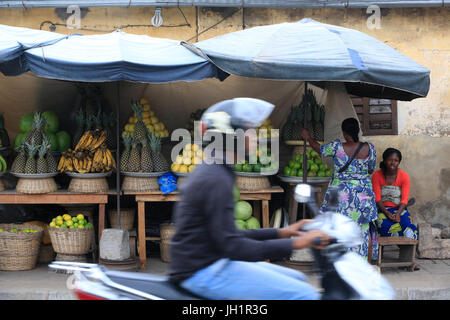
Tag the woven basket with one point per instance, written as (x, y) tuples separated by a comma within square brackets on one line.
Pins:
[(126, 219), (71, 241), (167, 230), (139, 184), (71, 257), (18, 250), (94, 185), (46, 254), (36, 186), (252, 183)]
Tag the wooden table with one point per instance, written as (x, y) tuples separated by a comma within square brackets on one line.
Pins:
[(61, 197), (157, 196), (293, 205)]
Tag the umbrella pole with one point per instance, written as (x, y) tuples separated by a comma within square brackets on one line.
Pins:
[(117, 154), (305, 169)]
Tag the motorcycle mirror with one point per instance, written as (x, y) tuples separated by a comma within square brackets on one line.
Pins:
[(303, 193)]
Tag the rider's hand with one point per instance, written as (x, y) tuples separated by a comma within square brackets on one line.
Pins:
[(293, 229), (397, 217), (307, 240)]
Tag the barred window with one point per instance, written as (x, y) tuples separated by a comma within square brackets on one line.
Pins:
[(376, 116)]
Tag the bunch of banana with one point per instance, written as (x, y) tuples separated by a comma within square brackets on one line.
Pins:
[(91, 140), (66, 161), (103, 160), (83, 165)]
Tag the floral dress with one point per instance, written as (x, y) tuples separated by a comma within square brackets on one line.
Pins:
[(356, 196)]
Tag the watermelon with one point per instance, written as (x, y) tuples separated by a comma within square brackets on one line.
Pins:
[(26, 122), (240, 224), (242, 210), (19, 139), (53, 141), (253, 223), (63, 140), (51, 121)]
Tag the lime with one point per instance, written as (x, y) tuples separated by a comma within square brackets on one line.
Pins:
[(75, 225), (321, 173), (294, 172), (318, 161), (314, 154), (298, 157), (312, 174), (300, 173), (64, 226), (74, 219), (297, 165), (291, 164), (81, 222), (80, 216), (80, 226), (238, 167), (89, 225)]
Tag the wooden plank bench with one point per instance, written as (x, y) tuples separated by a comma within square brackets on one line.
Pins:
[(407, 252)]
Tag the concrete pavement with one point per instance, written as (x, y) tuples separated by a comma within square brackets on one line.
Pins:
[(432, 282)]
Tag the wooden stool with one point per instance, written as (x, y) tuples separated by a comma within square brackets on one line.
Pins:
[(407, 254)]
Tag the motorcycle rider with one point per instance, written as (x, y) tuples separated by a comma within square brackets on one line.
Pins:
[(209, 255)]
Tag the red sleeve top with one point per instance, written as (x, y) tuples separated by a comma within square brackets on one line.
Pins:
[(402, 181)]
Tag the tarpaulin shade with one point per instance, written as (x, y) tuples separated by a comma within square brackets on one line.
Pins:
[(119, 56), (315, 52)]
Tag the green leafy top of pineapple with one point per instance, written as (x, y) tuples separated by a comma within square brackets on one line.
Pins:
[(127, 141), (46, 145), (155, 142), (32, 148), (137, 109), (79, 117), (38, 121)]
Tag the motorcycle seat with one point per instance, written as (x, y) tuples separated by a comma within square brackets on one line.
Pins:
[(154, 284)]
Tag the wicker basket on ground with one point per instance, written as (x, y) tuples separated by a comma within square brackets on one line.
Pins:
[(19, 250), (126, 219), (71, 241), (167, 230)]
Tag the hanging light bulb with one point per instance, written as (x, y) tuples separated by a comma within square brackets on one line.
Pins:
[(157, 19)]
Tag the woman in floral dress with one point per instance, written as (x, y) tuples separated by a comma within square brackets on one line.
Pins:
[(356, 196)]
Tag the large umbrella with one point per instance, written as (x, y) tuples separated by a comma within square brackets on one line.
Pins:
[(119, 56), (316, 52), (111, 57), (15, 40)]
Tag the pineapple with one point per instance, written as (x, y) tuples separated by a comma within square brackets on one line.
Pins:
[(30, 165), (37, 130), (41, 163), (146, 156), (18, 164), (160, 164), (126, 153), (140, 130), (134, 161), (287, 128), (108, 125), (297, 124), (52, 166)]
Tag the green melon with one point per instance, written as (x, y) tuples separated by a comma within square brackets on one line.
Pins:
[(242, 210)]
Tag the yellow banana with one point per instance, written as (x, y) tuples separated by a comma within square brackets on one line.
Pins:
[(82, 140), (61, 163), (98, 142)]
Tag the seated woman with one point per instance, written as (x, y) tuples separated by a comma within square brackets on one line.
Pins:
[(391, 188)]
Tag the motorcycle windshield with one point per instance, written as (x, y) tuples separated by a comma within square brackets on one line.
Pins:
[(363, 278)]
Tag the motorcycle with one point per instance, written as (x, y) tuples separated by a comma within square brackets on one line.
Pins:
[(344, 275)]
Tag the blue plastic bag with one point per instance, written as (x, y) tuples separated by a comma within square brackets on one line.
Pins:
[(167, 183)]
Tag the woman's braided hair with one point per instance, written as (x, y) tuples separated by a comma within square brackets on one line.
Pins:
[(350, 126)]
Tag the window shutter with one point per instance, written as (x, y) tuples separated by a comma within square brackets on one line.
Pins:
[(376, 116)]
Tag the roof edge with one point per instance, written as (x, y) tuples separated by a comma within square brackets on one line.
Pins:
[(338, 4)]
